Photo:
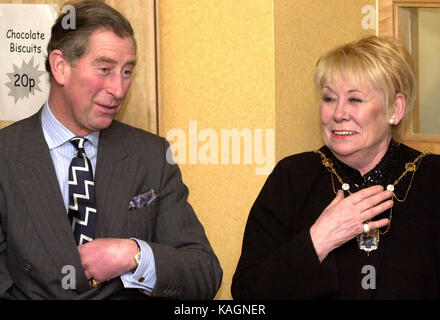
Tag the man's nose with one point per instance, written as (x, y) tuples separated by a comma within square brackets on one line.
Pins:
[(117, 86)]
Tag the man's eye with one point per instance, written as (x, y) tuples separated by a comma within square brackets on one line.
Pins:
[(127, 73), (104, 70)]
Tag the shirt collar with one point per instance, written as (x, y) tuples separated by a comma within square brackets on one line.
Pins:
[(56, 133)]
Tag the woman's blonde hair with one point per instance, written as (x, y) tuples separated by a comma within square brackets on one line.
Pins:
[(383, 61)]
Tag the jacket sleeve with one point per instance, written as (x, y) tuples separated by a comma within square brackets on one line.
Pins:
[(278, 260), (186, 266)]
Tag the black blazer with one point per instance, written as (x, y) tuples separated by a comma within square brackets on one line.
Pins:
[(36, 239), (278, 260)]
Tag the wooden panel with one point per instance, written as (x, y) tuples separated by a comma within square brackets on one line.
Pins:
[(424, 145), (416, 3), (414, 46), (55, 2), (385, 17), (387, 8), (397, 18), (141, 105)]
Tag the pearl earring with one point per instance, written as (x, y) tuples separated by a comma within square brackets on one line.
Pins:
[(392, 119)]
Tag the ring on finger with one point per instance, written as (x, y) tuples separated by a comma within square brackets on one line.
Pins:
[(366, 227), (94, 283)]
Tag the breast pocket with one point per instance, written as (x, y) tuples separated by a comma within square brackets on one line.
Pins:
[(141, 223)]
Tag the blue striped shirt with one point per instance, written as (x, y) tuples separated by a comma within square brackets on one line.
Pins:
[(62, 151)]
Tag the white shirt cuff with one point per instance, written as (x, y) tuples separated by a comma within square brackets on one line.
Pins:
[(144, 276)]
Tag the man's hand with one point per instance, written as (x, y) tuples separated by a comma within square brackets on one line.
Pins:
[(107, 258)]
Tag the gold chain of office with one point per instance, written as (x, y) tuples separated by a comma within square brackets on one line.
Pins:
[(409, 167)]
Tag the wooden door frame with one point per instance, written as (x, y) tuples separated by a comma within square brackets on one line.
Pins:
[(393, 17)]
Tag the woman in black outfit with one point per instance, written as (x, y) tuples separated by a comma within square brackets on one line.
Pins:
[(358, 218)]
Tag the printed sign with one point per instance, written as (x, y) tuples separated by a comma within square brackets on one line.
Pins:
[(24, 33)]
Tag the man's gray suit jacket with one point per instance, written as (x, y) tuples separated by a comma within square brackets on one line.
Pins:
[(36, 241)]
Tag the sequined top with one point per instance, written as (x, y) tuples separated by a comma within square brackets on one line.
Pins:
[(384, 173)]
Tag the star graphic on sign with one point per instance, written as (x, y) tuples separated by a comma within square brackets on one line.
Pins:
[(24, 80)]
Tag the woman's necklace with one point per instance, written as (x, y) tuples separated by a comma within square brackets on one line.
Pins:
[(370, 241)]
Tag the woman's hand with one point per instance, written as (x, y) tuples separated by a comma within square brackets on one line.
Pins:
[(343, 218)]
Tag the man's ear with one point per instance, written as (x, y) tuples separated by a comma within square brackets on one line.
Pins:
[(60, 66), (398, 108)]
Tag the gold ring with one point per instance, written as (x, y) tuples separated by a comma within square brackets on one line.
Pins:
[(93, 283)]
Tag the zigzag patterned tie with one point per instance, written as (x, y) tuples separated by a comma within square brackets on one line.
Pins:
[(82, 204)]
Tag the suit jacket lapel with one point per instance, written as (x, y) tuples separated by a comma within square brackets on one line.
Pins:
[(112, 181), (42, 198)]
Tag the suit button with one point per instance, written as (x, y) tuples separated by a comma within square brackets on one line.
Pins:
[(141, 279), (27, 267)]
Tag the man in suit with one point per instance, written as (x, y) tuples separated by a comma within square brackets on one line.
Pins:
[(141, 238)]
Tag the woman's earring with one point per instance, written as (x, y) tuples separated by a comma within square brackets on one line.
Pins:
[(392, 119)]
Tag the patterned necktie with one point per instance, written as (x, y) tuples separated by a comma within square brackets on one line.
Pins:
[(82, 204)]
